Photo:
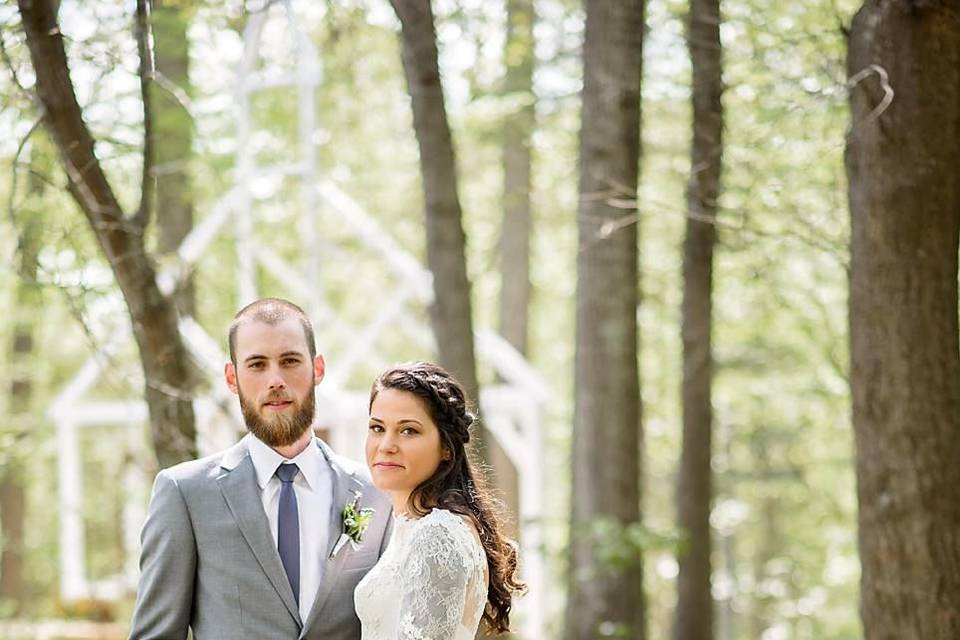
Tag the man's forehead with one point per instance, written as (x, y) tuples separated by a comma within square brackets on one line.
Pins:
[(256, 335)]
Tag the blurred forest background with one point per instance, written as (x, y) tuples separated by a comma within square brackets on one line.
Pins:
[(684, 294)]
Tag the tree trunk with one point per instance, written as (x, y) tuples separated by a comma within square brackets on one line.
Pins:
[(446, 243), (518, 53), (607, 599), (163, 357), (28, 303), (763, 604), (174, 135), (694, 613), (13, 512), (902, 162), (517, 129)]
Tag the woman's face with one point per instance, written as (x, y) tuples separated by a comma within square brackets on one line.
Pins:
[(403, 444)]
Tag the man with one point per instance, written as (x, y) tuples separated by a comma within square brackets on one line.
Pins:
[(253, 542)]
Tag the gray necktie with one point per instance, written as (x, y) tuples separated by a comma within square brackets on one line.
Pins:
[(288, 528)]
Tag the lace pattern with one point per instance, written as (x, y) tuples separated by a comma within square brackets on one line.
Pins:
[(430, 584)]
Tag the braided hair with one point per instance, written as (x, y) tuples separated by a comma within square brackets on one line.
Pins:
[(458, 485)]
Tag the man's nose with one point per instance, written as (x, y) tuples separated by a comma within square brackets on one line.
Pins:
[(276, 380)]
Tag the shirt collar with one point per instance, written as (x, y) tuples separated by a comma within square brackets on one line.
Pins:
[(265, 461)]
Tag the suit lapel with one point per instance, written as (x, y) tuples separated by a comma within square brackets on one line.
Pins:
[(239, 487), (345, 486)]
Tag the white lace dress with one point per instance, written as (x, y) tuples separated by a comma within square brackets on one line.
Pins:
[(430, 583)]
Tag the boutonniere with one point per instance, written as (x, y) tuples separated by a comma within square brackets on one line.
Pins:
[(353, 523)]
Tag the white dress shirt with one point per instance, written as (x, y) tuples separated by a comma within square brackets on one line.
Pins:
[(314, 488)]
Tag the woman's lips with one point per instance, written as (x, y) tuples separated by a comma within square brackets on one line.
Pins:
[(388, 465)]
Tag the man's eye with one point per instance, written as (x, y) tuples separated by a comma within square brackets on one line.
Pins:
[(256, 365), (291, 361)]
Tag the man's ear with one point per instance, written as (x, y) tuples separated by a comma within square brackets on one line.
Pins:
[(230, 375), (319, 368)]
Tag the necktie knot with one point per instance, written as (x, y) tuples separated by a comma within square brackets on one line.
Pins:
[(287, 472)]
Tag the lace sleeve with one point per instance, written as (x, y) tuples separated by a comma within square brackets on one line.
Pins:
[(436, 573)]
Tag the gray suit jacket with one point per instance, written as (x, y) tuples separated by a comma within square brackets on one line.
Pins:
[(209, 563)]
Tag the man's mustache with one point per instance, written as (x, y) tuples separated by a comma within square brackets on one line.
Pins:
[(275, 396)]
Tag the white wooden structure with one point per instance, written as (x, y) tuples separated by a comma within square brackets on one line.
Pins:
[(512, 409)]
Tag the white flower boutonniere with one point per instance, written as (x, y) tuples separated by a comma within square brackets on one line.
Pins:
[(353, 523)]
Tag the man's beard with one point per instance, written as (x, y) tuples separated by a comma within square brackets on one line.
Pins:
[(282, 430)]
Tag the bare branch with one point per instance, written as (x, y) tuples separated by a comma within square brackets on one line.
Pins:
[(176, 92), (863, 74), (148, 181), (14, 181), (8, 63), (65, 120)]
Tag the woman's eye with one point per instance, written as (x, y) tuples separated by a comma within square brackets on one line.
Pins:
[(409, 431), (376, 428)]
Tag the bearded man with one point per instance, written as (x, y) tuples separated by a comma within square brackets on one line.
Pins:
[(262, 540)]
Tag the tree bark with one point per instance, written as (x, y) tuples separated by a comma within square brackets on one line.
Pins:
[(517, 130), (518, 53), (605, 599), (446, 242), (28, 303), (693, 619), (163, 357), (13, 502), (902, 162), (174, 133), (762, 613)]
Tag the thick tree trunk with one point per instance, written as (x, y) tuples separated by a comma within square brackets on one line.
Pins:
[(606, 599), (903, 164), (694, 613), (446, 242), (174, 135), (163, 357)]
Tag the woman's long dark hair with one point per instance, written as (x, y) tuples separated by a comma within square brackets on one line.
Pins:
[(457, 485)]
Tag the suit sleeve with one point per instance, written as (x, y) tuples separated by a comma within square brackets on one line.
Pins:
[(168, 562)]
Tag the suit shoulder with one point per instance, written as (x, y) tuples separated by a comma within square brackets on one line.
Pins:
[(354, 468), (191, 470)]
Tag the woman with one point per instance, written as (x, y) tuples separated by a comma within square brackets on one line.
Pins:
[(447, 565)]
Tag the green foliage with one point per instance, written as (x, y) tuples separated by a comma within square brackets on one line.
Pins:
[(620, 545)]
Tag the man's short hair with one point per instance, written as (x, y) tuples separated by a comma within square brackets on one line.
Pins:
[(270, 311)]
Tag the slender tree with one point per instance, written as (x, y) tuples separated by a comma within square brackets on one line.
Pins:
[(27, 305), (164, 359), (446, 241), (604, 598), (518, 54), (902, 162), (174, 133), (693, 618)]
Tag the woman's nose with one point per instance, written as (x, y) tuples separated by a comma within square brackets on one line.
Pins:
[(388, 443)]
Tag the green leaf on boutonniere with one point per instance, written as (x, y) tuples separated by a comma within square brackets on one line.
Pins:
[(354, 519)]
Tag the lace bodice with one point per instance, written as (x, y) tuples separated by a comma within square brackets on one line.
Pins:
[(430, 583)]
